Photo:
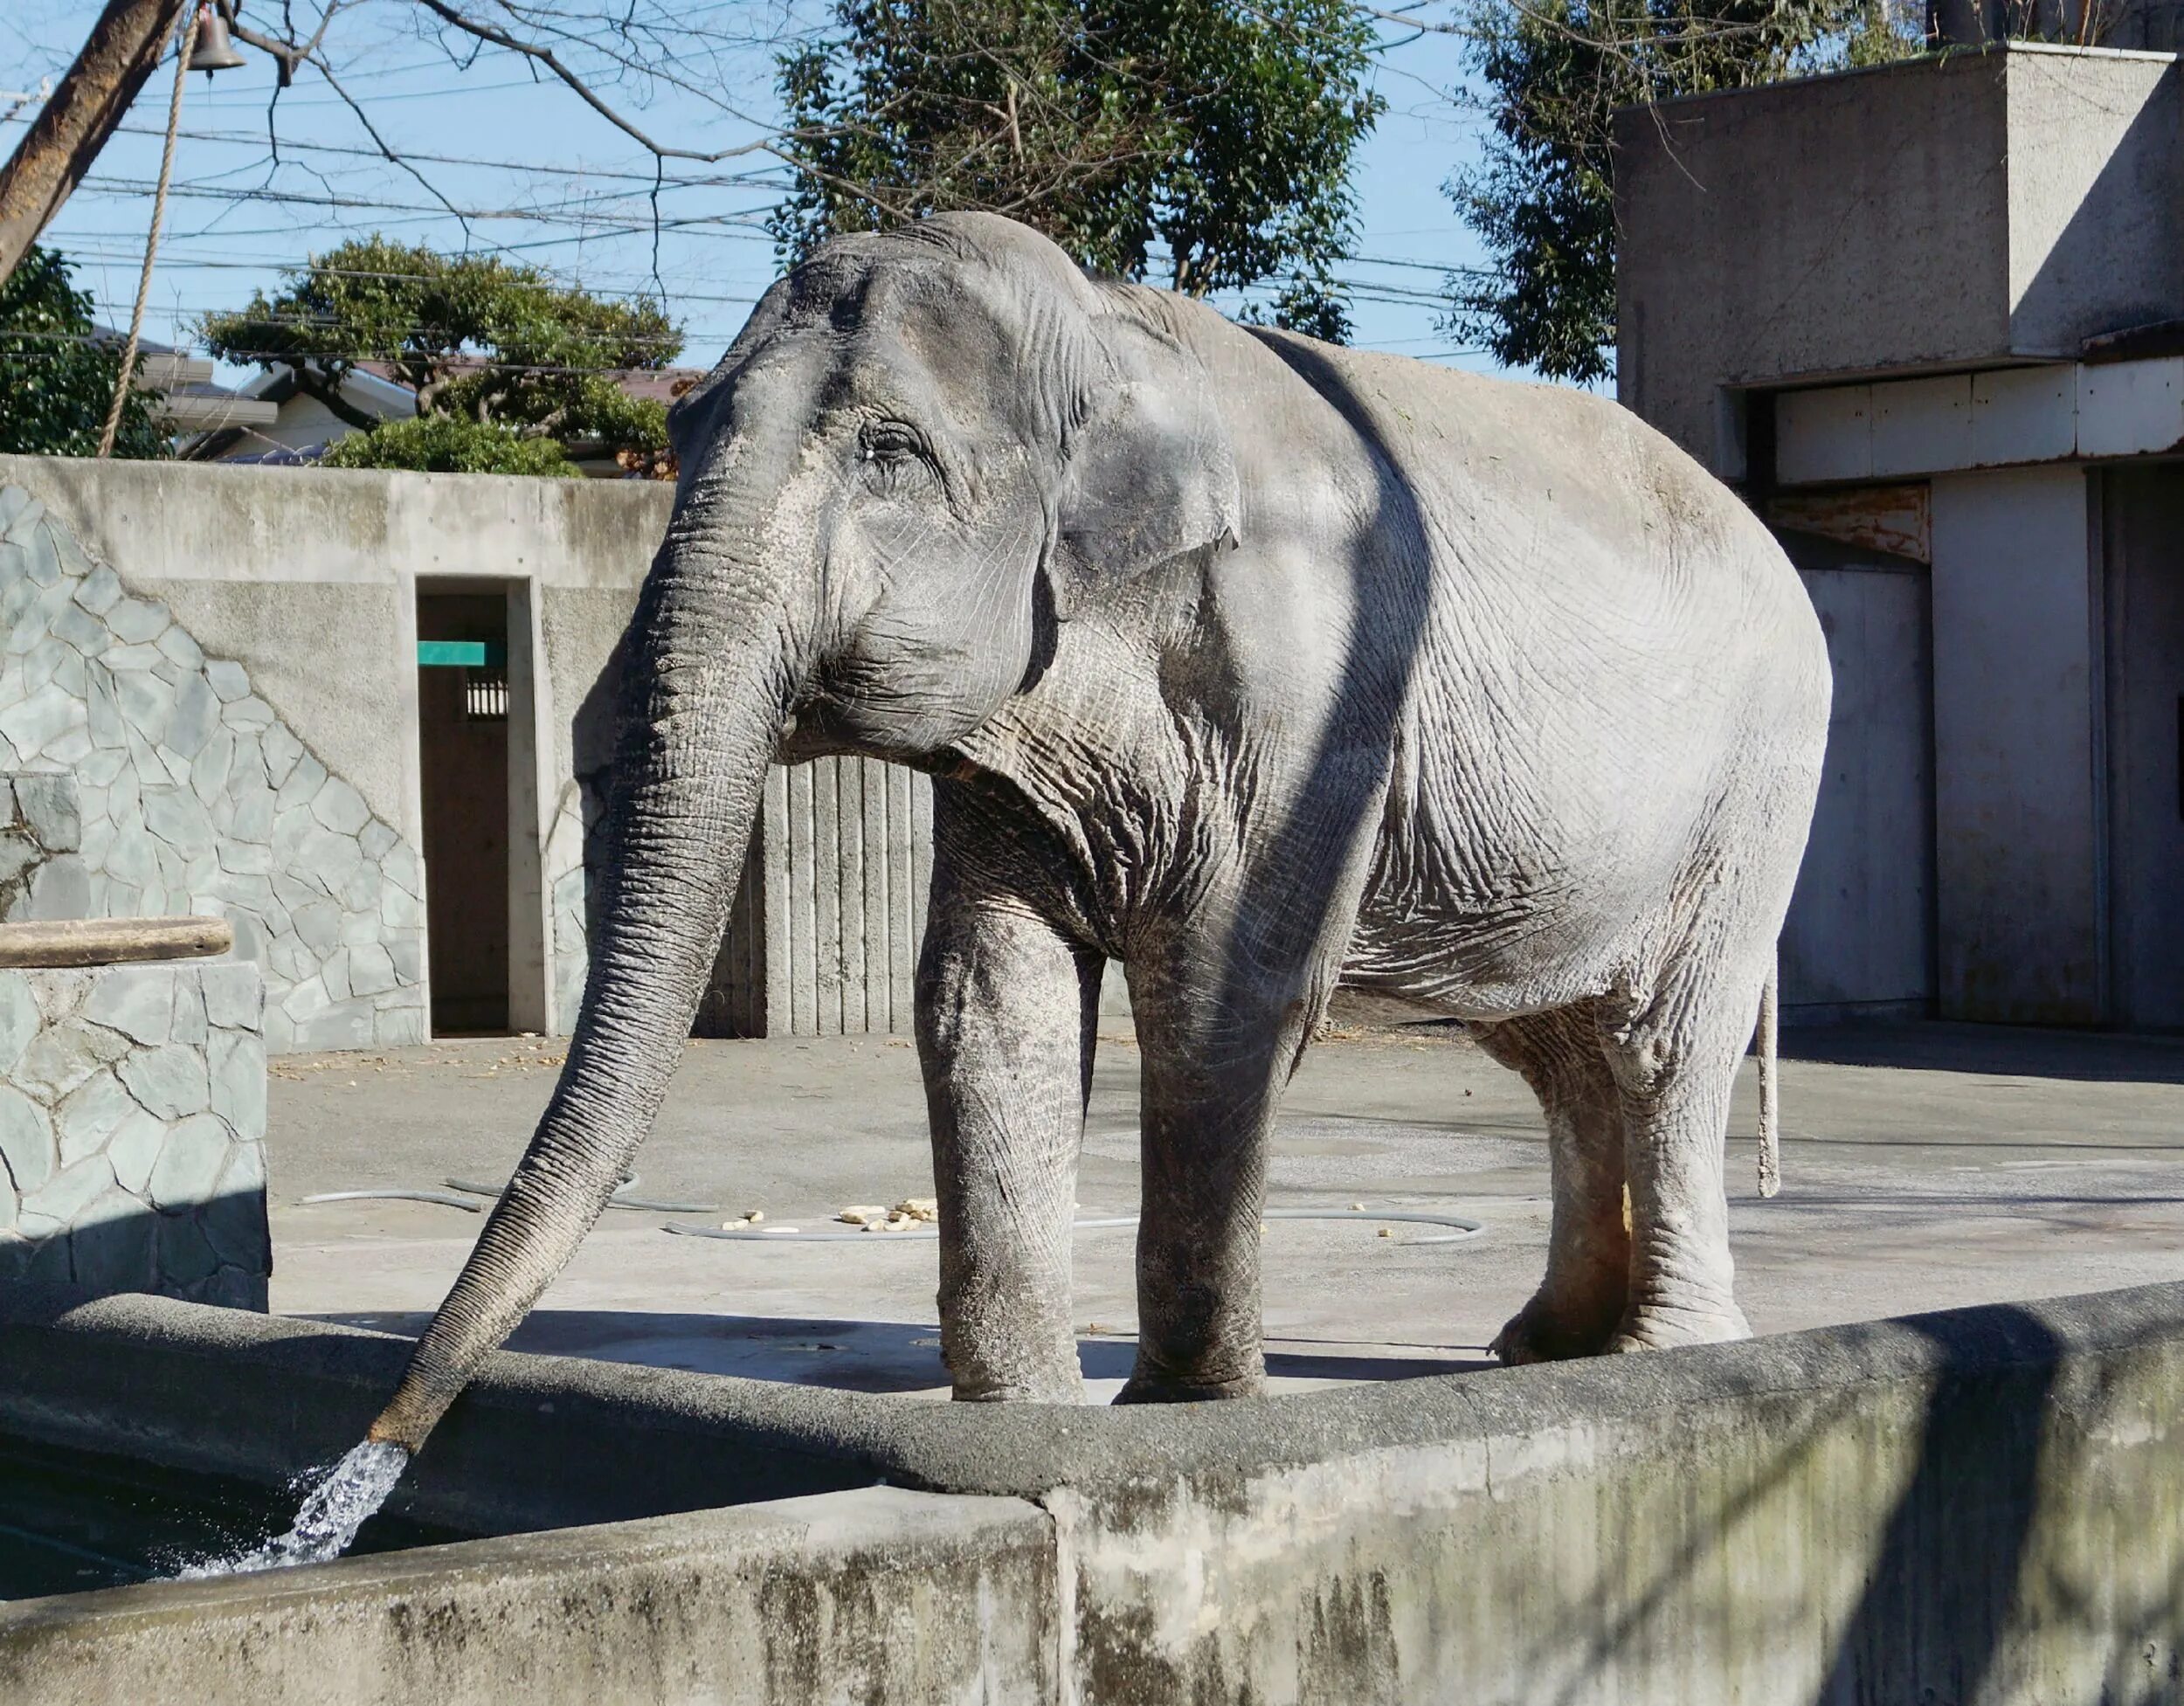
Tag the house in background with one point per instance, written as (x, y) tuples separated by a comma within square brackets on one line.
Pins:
[(192, 401), (1930, 318), (298, 427)]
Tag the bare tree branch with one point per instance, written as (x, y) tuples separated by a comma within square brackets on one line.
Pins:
[(486, 31)]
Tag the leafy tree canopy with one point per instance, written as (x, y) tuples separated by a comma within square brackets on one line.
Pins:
[(1554, 72), (56, 384), (493, 343), (1222, 132), (450, 444)]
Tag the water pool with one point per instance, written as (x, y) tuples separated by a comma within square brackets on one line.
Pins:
[(74, 1520)]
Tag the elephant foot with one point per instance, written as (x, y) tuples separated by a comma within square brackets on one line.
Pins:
[(1048, 1392), (999, 1379), (1542, 1333), (1153, 1386), (1656, 1327)]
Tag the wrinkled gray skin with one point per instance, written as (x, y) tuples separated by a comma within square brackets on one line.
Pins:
[(1258, 665)]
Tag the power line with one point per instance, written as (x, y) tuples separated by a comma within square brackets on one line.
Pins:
[(481, 365), (415, 94), (774, 179), (172, 260), (1362, 289), (551, 215)]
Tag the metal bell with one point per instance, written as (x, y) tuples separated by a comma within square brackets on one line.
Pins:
[(214, 51)]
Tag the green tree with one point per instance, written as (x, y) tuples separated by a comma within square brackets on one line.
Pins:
[(1222, 133), (1554, 72), (449, 444), (56, 381), (477, 338)]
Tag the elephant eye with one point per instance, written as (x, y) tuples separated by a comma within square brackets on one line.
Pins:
[(893, 455), (890, 441)]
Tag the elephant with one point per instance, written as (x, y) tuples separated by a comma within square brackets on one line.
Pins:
[(1259, 665)]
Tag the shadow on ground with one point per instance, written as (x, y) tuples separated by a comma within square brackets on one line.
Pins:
[(1995, 1051), (854, 1355)]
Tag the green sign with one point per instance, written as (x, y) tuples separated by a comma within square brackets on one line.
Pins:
[(459, 654)]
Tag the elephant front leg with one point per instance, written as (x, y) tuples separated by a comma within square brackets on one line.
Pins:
[(1006, 1016), (1211, 1078), (1199, 1307)]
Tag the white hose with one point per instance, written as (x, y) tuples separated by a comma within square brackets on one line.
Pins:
[(1464, 1229), (471, 1188), (1461, 1229), (445, 1198)]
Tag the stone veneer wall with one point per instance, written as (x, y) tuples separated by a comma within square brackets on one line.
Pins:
[(195, 797), (132, 1129)]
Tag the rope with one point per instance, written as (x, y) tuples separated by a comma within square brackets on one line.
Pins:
[(126, 376)]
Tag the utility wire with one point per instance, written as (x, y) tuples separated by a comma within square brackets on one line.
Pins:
[(775, 179), (482, 364), (552, 214)]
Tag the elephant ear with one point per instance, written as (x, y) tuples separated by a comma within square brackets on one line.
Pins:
[(1149, 473)]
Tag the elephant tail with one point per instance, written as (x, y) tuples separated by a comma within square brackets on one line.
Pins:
[(1770, 1088)]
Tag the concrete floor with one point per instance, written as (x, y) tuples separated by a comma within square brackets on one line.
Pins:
[(1925, 1167)]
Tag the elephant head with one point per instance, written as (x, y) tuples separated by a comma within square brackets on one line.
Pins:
[(925, 449)]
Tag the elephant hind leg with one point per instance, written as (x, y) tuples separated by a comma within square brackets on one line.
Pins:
[(1675, 1064), (1581, 1303)]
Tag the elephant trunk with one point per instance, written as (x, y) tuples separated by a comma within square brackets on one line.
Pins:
[(711, 676)]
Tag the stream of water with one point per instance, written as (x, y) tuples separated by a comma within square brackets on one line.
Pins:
[(332, 1513)]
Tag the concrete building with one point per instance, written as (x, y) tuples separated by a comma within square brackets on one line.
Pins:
[(1931, 318), (366, 716)]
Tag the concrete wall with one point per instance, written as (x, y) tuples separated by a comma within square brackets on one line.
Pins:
[(295, 592), (2096, 195), (875, 1597), (1980, 1505), (132, 1131), (1942, 213)]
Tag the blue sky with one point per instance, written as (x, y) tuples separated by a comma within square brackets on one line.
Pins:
[(564, 190)]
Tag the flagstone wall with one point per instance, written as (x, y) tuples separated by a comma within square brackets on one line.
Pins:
[(193, 795)]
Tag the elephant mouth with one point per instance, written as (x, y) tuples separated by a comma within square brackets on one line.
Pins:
[(862, 708)]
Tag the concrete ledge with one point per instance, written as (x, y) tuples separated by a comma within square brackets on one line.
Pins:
[(874, 1596), (1986, 1504)]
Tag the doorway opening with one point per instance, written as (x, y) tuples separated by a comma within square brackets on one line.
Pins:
[(464, 709)]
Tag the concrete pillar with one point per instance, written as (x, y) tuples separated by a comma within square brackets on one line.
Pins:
[(2018, 796), (530, 790)]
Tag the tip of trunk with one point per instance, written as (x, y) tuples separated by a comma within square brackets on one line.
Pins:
[(410, 1416)]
